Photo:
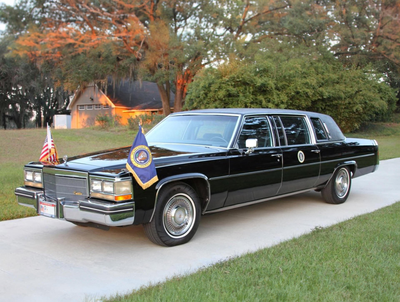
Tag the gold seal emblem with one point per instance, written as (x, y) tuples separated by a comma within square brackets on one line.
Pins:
[(301, 156), (141, 156)]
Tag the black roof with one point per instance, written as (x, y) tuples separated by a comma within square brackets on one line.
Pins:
[(249, 111), (135, 94)]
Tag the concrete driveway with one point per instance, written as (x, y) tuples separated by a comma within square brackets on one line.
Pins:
[(42, 259)]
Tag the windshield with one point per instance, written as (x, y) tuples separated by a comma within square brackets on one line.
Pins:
[(207, 130)]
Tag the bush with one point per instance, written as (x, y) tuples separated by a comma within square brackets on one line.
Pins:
[(149, 120), (105, 121), (309, 82)]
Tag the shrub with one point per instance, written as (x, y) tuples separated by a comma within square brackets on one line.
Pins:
[(313, 83), (145, 119), (106, 121)]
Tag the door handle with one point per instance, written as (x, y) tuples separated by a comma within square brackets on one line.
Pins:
[(316, 151), (277, 155)]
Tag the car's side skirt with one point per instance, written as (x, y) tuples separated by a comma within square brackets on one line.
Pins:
[(257, 201)]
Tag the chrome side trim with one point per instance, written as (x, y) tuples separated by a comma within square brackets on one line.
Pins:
[(257, 201), (190, 161), (245, 174), (352, 158)]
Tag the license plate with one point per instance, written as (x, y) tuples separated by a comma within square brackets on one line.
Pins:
[(47, 209)]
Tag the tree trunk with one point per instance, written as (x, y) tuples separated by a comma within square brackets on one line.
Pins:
[(182, 80), (4, 121), (178, 99), (164, 99)]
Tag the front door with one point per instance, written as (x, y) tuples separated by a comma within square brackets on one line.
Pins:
[(254, 175)]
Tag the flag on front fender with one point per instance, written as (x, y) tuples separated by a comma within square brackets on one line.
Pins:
[(49, 152), (140, 162)]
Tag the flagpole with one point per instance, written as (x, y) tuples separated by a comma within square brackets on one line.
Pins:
[(48, 138)]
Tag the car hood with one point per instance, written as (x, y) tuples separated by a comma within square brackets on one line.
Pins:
[(114, 161)]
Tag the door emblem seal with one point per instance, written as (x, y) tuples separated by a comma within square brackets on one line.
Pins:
[(301, 157)]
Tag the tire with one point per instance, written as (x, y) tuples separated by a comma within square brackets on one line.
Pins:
[(177, 216), (338, 188)]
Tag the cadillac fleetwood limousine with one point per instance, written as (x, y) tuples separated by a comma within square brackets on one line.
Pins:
[(206, 161)]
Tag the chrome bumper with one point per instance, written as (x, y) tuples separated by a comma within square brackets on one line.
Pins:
[(82, 211)]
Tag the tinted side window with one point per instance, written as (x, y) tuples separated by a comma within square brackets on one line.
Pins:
[(255, 127), (319, 129), (296, 130)]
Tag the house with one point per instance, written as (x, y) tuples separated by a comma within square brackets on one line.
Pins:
[(122, 99)]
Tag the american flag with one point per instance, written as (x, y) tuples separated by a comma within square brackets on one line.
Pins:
[(49, 152)]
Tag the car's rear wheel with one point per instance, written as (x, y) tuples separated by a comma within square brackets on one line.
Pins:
[(338, 188), (177, 215)]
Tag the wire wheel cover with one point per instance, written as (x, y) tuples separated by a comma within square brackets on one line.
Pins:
[(179, 215)]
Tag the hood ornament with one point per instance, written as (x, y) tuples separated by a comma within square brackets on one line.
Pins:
[(65, 158)]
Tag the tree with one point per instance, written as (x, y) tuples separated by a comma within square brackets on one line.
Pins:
[(367, 32), (168, 41), (292, 78), (27, 91)]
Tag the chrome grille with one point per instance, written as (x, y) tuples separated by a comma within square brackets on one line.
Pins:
[(70, 185)]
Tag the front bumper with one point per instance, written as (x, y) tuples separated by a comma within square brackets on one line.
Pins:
[(82, 211)]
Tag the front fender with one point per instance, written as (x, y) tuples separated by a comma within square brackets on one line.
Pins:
[(187, 177)]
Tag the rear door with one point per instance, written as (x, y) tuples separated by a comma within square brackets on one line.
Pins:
[(301, 156)]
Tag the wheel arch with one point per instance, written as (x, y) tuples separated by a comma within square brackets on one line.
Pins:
[(199, 182), (351, 164)]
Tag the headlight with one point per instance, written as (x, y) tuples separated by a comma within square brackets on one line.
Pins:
[(96, 185), (108, 187), (33, 177), (123, 187), (29, 175), (111, 189), (37, 177)]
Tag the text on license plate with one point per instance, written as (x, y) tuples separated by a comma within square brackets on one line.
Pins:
[(47, 209)]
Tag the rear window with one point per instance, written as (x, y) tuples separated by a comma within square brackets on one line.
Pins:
[(319, 129)]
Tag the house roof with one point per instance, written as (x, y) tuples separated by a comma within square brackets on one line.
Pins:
[(135, 94)]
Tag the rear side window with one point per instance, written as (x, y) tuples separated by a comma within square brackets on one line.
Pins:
[(296, 130), (319, 129)]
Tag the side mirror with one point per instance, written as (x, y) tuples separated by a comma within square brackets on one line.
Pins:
[(251, 143)]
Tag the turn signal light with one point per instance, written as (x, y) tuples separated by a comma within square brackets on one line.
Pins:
[(123, 197)]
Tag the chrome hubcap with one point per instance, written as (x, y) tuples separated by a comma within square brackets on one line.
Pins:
[(178, 216), (342, 183)]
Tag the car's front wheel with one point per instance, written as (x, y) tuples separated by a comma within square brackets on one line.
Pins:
[(177, 216), (338, 188)]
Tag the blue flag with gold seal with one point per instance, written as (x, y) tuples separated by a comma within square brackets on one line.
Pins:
[(140, 162)]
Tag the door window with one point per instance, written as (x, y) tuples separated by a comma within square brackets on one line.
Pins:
[(296, 130), (256, 127)]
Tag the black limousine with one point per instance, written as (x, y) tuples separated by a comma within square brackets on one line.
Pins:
[(206, 161)]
